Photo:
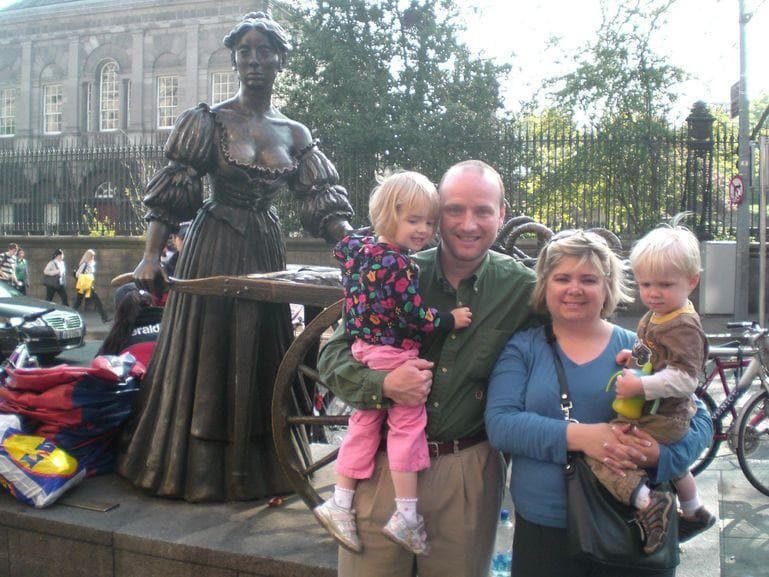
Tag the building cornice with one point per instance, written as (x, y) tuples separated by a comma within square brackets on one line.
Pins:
[(64, 20)]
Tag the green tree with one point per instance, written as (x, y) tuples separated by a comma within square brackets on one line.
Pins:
[(387, 83), (619, 75), (623, 90)]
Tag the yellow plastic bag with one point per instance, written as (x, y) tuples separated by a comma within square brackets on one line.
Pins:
[(34, 470), (84, 284)]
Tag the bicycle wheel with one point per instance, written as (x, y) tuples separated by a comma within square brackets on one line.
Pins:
[(753, 441), (710, 452)]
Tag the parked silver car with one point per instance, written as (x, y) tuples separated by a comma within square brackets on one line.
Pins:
[(60, 329)]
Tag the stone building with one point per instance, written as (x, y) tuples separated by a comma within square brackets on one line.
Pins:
[(85, 71), (89, 90)]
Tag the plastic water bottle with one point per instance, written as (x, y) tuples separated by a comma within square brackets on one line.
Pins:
[(503, 555)]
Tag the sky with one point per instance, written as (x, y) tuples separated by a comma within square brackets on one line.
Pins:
[(701, 36)]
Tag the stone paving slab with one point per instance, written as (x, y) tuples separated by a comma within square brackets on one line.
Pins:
[(152, 536)]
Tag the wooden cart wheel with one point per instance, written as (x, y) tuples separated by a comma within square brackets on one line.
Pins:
[(299, 418)]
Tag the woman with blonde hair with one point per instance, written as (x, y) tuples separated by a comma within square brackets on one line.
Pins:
[(85, 275), (580, 281)]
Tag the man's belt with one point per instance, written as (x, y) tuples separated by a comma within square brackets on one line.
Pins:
[(438, 448)]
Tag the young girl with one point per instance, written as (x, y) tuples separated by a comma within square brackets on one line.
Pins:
[(385, 315)]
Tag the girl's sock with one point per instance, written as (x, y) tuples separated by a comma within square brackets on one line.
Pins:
[(407, 508), (343, 497)]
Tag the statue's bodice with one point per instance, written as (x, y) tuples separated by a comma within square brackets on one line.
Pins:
[(251, 161)]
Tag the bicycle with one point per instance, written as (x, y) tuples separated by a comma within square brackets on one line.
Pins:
[(728, 362), (750, 440), (753, 427)]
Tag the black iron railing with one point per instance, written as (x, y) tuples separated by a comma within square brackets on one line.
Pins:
[(561, 176)]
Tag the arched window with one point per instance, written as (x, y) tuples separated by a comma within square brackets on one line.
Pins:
[(109, 100), (105, 190)]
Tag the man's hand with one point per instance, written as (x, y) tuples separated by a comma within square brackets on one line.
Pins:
[(410, 383)]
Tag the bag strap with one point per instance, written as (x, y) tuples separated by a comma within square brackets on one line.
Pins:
[(566, 404)]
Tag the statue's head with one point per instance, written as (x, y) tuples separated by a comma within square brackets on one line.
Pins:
[(263, 23)]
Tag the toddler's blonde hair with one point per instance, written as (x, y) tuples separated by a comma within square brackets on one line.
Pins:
[(668, 247)]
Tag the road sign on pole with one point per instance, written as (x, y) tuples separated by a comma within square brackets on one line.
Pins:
[(736, 189)]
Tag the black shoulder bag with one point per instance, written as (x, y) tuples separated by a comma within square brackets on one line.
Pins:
[(599, 527)]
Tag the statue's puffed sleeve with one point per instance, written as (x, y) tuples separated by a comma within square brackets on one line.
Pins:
[(325, 204), (175, 192)]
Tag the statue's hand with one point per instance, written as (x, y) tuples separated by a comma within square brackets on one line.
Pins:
[(150, 276), (337, 229)]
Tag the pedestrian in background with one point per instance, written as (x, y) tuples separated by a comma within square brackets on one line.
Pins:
[(8, 264), (22, 276), (177, 240), (86, 275), (55, 278)]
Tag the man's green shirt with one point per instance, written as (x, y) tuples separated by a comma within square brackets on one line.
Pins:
[(498, 295)]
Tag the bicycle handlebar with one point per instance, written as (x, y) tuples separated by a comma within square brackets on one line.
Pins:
[(741, 324)]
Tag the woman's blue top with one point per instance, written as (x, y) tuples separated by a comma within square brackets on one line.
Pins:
[(523, 417)]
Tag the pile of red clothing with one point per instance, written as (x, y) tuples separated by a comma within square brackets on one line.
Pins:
[(80, 409)]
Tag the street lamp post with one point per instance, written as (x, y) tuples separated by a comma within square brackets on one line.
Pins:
[(699, 169), (742, 278)]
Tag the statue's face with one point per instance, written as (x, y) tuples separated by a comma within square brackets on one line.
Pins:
[(256, 60)]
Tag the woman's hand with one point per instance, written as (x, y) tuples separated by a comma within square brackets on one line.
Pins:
[(643, 442), (616, 449), (150, 276)]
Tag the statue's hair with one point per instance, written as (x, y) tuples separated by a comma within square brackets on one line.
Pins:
[(263, 23), (669, 247), (395, 195)]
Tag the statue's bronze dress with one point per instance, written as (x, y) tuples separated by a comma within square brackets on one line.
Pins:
[(202, 430)]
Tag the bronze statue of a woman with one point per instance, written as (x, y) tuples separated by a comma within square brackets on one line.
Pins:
[(202, 430)]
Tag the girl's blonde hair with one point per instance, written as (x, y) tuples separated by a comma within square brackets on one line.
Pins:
[(395, 196), (587, 247), (88, 252), (668, 248)]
